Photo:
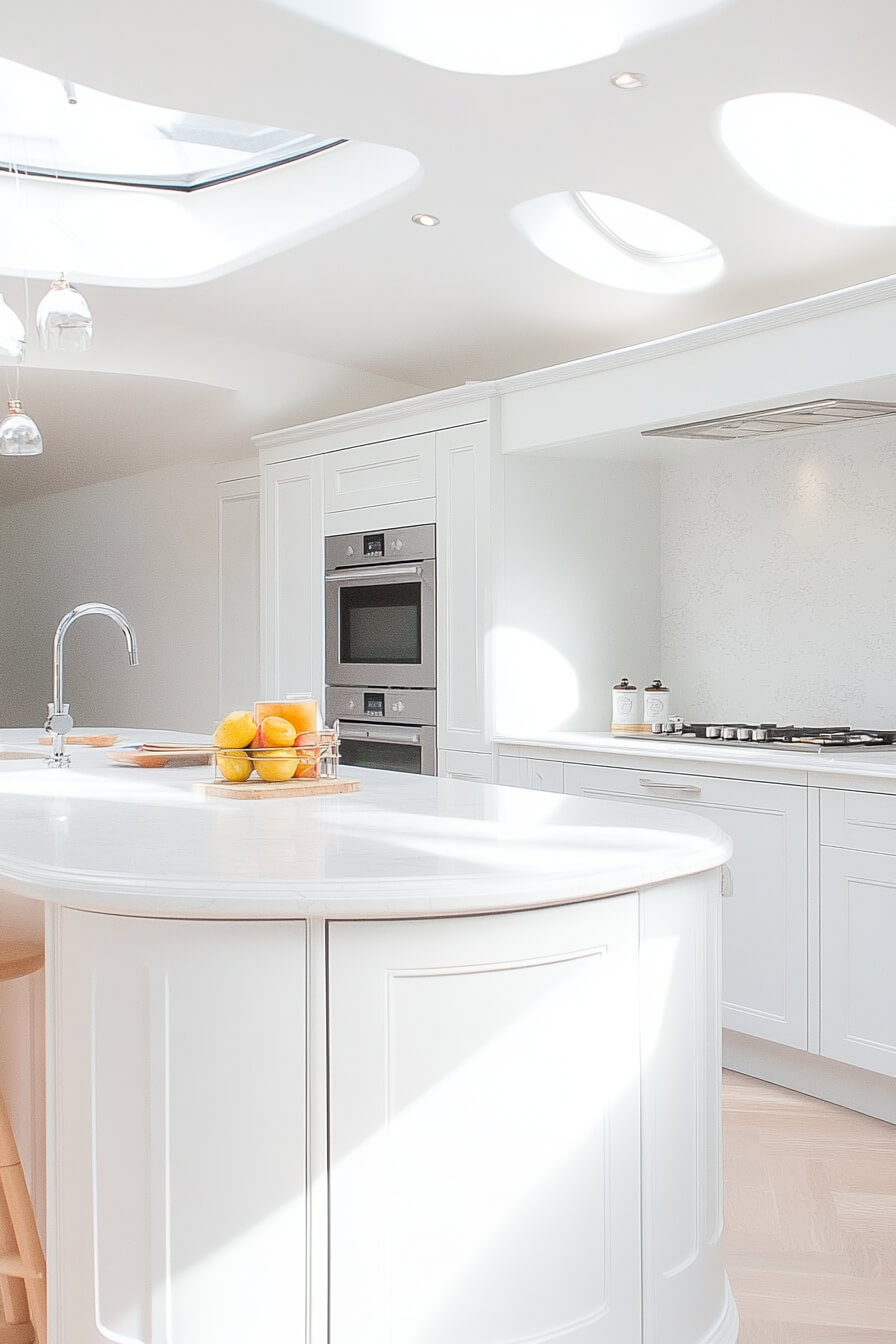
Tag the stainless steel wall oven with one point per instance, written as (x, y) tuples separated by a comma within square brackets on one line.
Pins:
[(381, 647)]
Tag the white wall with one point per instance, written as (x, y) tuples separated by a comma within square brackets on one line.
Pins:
[(779, 577), (146, 544), (582, 604)]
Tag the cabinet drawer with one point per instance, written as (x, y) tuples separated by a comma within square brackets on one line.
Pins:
[(380, 473), (853, 820), (650, 786)]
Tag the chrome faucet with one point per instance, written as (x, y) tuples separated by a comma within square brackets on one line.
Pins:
[(59, 721)]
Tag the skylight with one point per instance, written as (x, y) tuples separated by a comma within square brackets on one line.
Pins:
[(619, 243), (51, 127), (502, 37), (831, 159)]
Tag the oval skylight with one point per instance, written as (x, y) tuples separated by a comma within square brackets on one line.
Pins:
[(619, 243), (502, 37), (831, 159), (53, 128)]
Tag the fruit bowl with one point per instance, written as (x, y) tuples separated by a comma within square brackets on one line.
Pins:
[(311, 756)]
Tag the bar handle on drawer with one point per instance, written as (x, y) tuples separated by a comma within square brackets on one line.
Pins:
[(663, 786)]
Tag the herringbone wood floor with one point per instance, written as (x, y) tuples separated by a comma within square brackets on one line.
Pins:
[(810, 1218)]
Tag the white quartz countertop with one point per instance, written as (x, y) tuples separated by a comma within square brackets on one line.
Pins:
[(113, 838), (729, 759)]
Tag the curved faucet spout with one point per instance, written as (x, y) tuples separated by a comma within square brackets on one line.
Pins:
[(59, 721)]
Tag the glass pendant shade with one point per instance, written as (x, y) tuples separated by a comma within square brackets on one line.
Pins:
[(19, 435), (12, 335), (63, 318)]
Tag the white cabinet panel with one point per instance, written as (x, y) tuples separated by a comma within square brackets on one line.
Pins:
[(530, 773), (239, 594), (483, 1068), (857, 820), (292, 579), (464, 576), (765, 924), (166, 1211), (681, 1110), (474, 765), (380, 473), (858, 935)]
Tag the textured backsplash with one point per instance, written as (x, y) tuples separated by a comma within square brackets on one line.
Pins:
[(778, 582)]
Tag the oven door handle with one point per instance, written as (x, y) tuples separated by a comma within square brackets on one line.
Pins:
[(381, 573), (379, 732)]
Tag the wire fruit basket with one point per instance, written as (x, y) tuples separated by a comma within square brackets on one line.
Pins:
[(312, 756)]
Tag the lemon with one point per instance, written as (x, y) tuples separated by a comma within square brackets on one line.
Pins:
[(234, 765), (236, 730), (276, 765), (277, 732)]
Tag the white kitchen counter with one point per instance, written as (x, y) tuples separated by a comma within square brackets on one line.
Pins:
[(821, 769), (101, 836)]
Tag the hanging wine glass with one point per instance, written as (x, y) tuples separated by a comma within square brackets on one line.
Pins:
[(19, 435), (63, 318)]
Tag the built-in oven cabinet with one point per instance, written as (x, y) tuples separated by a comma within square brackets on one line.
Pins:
[(765, 934), (292, 579), (374, 475), (467, 537)]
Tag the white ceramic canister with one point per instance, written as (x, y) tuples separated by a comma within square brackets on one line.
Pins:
[(626, 707), (656, 703)]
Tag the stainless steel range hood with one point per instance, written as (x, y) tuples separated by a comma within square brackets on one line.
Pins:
[(777, 420)]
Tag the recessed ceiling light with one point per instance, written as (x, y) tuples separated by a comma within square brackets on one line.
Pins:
[(629, 80), (428, 221)]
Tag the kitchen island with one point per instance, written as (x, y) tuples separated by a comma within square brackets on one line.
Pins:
[(433, 1062)]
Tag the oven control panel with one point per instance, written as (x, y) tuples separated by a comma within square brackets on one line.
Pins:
[(356, 549), (381, 704)]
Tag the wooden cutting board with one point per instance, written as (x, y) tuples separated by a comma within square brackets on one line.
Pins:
[(156, 759), (288, 788), (73, 740)]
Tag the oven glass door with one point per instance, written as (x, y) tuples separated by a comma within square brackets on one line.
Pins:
[(381, 626), (388, 747)]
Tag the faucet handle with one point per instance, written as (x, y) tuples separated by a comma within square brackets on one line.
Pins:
[(59, 721)]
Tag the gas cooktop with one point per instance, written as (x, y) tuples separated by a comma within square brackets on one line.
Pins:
[(786, 737)]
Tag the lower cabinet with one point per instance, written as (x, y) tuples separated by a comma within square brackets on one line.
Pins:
[(530, 773), (481, 1070), (765, 922), (858, 933), (177, 1130), (473, 765)]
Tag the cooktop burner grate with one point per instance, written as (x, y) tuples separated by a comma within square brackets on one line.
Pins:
[(789, 737)]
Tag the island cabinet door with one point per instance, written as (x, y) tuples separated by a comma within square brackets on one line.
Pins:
[(177, 1137), (484, 1128)]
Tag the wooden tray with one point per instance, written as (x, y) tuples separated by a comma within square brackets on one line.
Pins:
[(73, 740), (287, 788), (155, 759)]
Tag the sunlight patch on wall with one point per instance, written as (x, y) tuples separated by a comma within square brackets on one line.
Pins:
[(537, 689), (831, 159), (502, 37)]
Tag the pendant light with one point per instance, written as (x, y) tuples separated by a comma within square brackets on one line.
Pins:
[(19, 435), (12, 334), (63, 318)]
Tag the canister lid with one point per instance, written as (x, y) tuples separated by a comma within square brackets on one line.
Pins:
[(657, 685), (625, 685)]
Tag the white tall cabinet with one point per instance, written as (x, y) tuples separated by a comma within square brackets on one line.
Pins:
[(239, 634), (432, 459)]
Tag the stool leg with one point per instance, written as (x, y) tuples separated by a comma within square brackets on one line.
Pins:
[(20, 1215)]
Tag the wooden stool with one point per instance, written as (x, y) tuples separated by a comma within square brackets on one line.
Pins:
[(23, 1277)]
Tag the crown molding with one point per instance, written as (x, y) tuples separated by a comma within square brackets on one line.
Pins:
[(804, 310), (430, 402)]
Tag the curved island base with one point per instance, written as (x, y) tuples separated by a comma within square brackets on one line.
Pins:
[(484, 1128), (432, 1063)]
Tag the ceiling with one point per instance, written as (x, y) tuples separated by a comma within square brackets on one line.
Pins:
[(377, 308)]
